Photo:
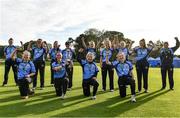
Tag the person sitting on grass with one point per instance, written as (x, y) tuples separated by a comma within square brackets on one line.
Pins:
[(125, 76), (26, 70), (60, 81), (90, 72)]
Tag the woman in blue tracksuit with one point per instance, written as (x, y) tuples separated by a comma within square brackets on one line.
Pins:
[(60, 81), (106, 57), (142, 65), (68, 57), (125, 76), (90, 72), (26, 70), (9, 62), (52, 54), (166, 57), (39, 53)]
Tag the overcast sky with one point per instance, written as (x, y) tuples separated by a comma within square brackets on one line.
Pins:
[(59, 19)]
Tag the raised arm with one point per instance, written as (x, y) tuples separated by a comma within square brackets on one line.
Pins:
[(177, 44), (83, 42), (79, 55), (29, 48), (130, 45), (22, 47)]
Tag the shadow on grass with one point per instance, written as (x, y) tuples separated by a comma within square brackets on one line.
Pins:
[(48, 102), (41, 103), (9, 91), (17, 96), (112, 107)]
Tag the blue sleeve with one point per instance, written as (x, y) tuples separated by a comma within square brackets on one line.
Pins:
[(97, 70), (33, 70), (130, 65), (53, 64), (149, 49), (101, 53), (127, 51), (33, 49), (63, 64), (44, 50), (135, 49), (18, 60), (114, 63), (83, 62), (5, 49)]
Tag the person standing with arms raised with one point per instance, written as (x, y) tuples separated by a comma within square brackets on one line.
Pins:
[(39, 53), (142, 65), (166, 57)]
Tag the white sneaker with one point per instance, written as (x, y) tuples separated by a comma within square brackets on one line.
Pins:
[(24, 97), (112, 90), (146, 91), (63, 97), (133, 98), (93, 97)]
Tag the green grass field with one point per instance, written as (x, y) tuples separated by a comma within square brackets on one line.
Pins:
[(108, 104)]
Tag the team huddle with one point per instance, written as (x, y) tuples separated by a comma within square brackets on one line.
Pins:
[(111, 58)]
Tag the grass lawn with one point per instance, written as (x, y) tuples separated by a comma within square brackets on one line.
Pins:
[(108, 104)]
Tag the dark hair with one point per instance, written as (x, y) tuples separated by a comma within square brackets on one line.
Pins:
[(166, 43), (67, 43), (10, 39), (55, 42), (143, 40), (39, 40)]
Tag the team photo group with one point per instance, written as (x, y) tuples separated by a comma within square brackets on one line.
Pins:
[(112, 56)]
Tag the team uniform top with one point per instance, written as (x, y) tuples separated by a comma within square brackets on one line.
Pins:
[(60, 73), (8, 51), (24, 68), (53, 52), (142, 53), (166, 56), (122, 69), (68, 55), (39, 54), (89, 69), (104, 53)]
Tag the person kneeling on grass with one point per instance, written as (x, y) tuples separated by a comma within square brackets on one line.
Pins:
[(125, 75), (90, 71), (26, 70), (60, 81)]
